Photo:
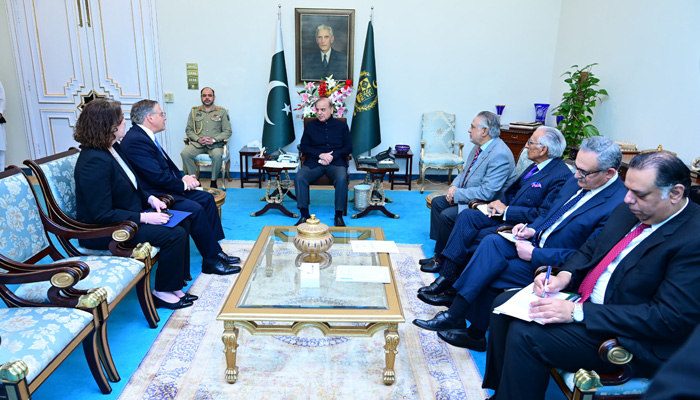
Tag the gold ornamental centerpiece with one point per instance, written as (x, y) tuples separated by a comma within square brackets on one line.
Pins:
[(313, 239)]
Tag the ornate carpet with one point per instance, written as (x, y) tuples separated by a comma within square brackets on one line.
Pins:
[(186, 361)]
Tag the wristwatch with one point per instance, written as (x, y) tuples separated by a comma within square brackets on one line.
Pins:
[(577, 313)]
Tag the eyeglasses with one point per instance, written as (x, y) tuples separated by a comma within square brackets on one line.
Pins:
[(530, 142), (162, 114), (586, 173)]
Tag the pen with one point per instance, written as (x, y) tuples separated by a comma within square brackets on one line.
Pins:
[(546, 280), (515, 235)]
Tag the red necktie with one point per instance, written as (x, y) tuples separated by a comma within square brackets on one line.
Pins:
[(478, 151), (590, 280)]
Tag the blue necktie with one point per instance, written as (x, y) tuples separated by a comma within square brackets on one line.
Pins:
[(165, 156), (325, 61), (554, 218), (532, 172)]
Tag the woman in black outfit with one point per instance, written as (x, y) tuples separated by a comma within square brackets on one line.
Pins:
[(107, 191)]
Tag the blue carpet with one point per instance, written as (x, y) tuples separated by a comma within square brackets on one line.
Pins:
[(129, 335)]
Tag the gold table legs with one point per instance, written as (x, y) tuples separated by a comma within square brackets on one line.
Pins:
[(230, 339), (391, 337)]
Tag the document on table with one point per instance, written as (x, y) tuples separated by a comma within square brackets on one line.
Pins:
[(518, 306), (310, 275), (362, 273), (374, 246)]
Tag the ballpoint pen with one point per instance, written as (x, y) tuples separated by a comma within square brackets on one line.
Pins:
[(546, 280), (515, 235)]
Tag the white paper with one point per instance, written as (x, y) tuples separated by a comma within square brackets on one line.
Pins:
[(508, 236), (518, 306), (362, 273), (484, 208), (310, 275), (374, 246), (277, 164), (255, 143)]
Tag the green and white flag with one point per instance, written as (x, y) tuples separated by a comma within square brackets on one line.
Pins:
[(365, 130), (278, 129)]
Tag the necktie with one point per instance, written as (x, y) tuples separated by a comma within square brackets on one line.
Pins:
[(532, 172), (478, 151), (561, 211), (165, 156), (590, 280), (325, 61)]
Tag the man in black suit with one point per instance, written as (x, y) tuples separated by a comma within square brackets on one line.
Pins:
[(678, 378), (580, 211), (321, 64), (527, 198), (639, 281), (160, 176)]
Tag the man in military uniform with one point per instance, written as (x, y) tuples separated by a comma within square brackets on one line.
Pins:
[(208, 126)]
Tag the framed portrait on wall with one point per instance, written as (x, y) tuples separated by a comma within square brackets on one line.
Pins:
[(324, 43)]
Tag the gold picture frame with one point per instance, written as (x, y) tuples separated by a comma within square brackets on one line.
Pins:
[(309, 51)]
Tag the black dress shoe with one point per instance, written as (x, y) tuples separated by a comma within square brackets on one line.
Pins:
[(213, 185), (440, 285), (338, 221), (301, 221), (228, 259), (442, 299), (160, 303), (460, 338), (441, 322), (219, 267), (424, 261), (189, 297), (432, 267)]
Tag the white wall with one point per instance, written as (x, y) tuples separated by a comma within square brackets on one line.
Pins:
[(458, 56), (649, 62)]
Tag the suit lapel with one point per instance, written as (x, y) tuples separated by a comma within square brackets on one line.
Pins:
[(155, 148)]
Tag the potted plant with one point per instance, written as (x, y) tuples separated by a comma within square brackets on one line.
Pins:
[(577, 105)]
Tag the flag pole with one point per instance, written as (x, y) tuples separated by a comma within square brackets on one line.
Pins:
[(279, 12)]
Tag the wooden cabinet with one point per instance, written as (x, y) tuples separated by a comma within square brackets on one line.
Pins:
[(515, 139)]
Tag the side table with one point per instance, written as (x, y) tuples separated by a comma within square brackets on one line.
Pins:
[(406, 179), (278, 185), (249, 177), (219, 197), (375, 178)]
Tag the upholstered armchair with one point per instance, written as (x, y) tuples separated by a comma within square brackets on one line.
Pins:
[(55, 175), (437, 145), (203, 160)]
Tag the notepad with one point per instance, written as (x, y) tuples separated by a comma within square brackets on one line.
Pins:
[(362, 273), (509, 237), (374, 246), (484, 208), (518, 306)]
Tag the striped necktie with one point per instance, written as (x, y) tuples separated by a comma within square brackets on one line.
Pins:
[(464, 181), (560, 212), (325, 61), (532, 172), (590, 280)]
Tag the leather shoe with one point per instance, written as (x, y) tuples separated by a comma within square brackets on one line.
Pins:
[(189, 297), (213, 185), (160, 303), (301, 221), (338, 221), (228, 259), (441, 322), (443, 299), (424, 261), (440, 285), (431, 267), (460, 338), (219, 267)]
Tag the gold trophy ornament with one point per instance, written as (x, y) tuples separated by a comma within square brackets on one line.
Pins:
[(313, 239)]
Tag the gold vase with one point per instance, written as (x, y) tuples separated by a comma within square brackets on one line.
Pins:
[(312, 239)]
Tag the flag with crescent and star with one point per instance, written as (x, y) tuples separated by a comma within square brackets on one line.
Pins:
[(365, 130), (278, 129)]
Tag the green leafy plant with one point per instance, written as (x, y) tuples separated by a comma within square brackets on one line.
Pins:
[(577, 105)]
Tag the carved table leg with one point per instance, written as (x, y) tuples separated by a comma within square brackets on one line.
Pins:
[(230, 339), (391, 337)]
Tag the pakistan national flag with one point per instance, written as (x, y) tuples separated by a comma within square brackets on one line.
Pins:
[(278, 130), (365, 121)]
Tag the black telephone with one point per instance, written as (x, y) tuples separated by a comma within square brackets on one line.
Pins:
[(383, 155)]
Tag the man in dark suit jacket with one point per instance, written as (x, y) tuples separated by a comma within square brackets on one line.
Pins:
[(678, 378), (160, 176), (639, 281), (318, 65), (579, 212), (487, 172), (528, 197)]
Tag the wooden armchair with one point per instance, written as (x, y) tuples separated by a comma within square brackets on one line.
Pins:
[(203, 160), (323, 180), (37, 338), (55, 175)]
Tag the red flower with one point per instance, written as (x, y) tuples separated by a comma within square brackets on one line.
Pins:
[(348, 83), (322, 89)]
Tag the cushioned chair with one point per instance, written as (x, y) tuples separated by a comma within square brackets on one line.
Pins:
[(55, 175), (203, 160), (437, 145), (323, 180)]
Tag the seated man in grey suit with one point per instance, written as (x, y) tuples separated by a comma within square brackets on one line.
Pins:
[(325, 61), (487, 171)]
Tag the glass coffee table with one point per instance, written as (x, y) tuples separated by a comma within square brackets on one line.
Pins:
[(272, 296)]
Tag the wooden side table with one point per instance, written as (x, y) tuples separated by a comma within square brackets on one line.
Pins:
[(515, 139), (219, 197), (375, 178), (406, 179), (249, 177), (278, 186)]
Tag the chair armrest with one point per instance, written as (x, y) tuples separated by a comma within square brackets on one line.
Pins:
[(612, 352), (62, 276), (186, 140), (543, 270), (422, 148), (473, 203), (461, 147), (505, 228), (167, 199)]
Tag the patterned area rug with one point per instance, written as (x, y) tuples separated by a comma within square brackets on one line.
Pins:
[(187, 362)]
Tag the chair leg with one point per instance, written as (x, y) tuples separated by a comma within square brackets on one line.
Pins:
[(143, 291), (106, 355), (228, 170), (223, 175), (422, 179), (93, 359), (197, 165)]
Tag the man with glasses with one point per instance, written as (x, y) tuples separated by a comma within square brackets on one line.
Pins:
[(527, 198), (578, 213), (208, 126), (159, 175)]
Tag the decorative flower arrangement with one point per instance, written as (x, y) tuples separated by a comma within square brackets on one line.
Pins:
[(337, 91)]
